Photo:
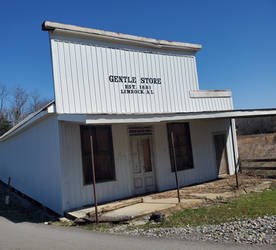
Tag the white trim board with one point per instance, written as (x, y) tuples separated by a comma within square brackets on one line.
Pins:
[(153, 118), (210, 93)]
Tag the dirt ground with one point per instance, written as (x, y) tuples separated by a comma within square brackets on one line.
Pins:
[(227, 184), (250, 147), (21, 209)]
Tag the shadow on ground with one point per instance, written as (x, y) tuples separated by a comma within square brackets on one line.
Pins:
[(20, 209)]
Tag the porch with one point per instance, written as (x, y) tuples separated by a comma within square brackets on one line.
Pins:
[(167, 202), (142, 159)]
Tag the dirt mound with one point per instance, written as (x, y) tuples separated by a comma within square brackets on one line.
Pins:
[(257, 146)]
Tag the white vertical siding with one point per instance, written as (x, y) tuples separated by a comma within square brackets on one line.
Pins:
[(75, 194), (232, 170), (81, 70), (32, 161), (203, 154)]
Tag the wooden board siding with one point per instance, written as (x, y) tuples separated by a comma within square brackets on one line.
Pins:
[(103, 153), (182, 145)]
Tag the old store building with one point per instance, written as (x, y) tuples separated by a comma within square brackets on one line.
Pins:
[(139, 100)]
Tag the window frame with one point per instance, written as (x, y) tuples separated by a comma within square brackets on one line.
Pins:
[(171, 150), (111, 151)]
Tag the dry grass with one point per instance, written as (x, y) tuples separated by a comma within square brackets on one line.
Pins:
[(227, 184)]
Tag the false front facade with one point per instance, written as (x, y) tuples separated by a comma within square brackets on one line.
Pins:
[(130, 106)]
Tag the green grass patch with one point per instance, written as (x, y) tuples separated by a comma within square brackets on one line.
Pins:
[(247, 206)]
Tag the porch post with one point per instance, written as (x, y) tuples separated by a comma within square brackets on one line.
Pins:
[(94, 179), (234, 153), (175, 167)]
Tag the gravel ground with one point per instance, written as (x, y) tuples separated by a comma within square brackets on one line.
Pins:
[(261, 231)]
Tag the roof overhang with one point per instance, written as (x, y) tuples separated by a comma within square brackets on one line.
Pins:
[(95, 119), (29, 120), (115, 37), (170, 117)]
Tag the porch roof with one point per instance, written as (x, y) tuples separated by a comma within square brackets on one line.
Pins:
[(164, 117), (49, 109)]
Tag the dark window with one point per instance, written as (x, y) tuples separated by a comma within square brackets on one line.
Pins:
[(103, 153), (147, 155), (182, 145)]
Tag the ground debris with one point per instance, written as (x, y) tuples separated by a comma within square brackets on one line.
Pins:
[(80, 221), (157, 217)]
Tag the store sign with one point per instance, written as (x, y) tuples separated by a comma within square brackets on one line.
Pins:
[(134, 85)]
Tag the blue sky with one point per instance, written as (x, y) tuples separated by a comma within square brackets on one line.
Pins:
[(238, 39)]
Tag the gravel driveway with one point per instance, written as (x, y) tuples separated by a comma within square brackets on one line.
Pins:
[(32, 236), (261, 231)]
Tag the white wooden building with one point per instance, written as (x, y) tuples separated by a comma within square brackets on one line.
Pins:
[(129, 94)]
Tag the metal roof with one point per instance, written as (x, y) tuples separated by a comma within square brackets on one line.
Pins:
[(119, 37), (165, 117), (132, 118), (45, 110)]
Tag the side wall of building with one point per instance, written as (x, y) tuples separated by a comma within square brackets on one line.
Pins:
[(75, 194), (31, 159)]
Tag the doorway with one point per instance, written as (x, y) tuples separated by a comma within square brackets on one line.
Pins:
[(142, 160), (221, 154)]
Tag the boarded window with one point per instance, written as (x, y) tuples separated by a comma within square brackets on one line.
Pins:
[(103, 153), (182, 145)]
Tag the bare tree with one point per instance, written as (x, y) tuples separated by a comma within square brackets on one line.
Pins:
[(3, 99), (36, 101), (17, 111), (17, 104), (5, 124)]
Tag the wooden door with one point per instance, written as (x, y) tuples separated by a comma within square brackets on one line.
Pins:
[(221, 154), (142, 164)]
